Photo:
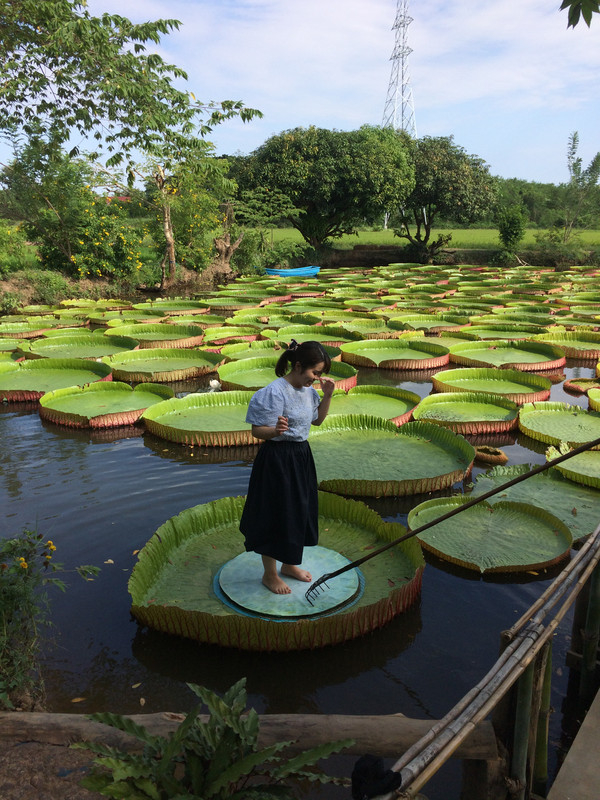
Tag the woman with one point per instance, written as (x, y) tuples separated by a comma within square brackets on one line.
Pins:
[(280, 516)]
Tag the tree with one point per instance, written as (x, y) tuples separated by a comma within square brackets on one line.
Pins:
[(580, 196), (449, 184), (65, 73), (581, 8), (56, 199), (184, 199), (511, 221), (338, 179)]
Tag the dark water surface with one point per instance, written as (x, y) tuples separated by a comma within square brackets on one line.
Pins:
[(100, 497)]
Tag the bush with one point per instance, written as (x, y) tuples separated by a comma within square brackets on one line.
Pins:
[(551, 251), (10, 302), (49, 287)]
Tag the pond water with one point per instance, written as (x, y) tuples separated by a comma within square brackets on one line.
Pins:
[(100, 497)]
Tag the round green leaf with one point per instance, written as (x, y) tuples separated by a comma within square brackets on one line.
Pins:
[(503, 537)]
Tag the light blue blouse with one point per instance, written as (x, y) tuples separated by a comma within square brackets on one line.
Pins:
[(281, 399)]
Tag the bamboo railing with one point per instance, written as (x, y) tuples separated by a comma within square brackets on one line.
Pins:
[(525, 658)]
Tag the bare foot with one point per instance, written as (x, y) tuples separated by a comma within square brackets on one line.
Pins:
[(276, 585), (297, 572)]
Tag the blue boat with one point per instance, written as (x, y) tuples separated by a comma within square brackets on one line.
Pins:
[(293, 272)]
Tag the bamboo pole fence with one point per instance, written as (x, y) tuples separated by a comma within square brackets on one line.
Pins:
[(524, 642)]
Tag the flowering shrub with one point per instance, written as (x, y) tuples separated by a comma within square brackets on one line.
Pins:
[(27, 568), (102, 242)]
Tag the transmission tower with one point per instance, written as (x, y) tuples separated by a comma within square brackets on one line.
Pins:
[(399, 110)]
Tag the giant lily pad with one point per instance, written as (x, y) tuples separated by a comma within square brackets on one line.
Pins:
[(559, 422), (388, 402), (503, 537), (101, 404), (583, 468), (242, 350), (168, 336), (370, 457), (213, 337), (254, 373), (207, 419), (330, 335), (92, 346), (575, 505), (25, 330), (174, 308), (526, 356), (510, 383), (29, 380), (468, 412), (594, 399), (499, 331), (428, 322), (172, 583), (162, 365), (114, 318), (575, 345), (410, 353)]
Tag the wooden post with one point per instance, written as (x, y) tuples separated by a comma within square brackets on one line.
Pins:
[(540, 766), (518, 766)]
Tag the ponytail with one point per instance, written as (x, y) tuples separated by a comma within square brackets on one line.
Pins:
[(307, 354)]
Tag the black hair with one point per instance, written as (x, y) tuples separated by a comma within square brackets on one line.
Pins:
[(307, 354)]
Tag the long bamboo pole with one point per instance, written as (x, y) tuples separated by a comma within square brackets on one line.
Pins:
[(518, 769), (536, 703), (421, 761), (540, 764)]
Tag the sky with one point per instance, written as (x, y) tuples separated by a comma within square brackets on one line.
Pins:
[(505, 78)]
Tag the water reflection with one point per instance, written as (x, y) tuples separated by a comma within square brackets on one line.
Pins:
[(313, 671), (182, 453)]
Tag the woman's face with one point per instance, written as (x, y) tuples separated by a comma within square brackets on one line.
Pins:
[(306, 377)]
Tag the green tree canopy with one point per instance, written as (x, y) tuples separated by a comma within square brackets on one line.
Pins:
[(337, 178), (450, 185), (65, 74)]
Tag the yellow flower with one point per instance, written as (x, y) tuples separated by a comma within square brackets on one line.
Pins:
[(24, 564)]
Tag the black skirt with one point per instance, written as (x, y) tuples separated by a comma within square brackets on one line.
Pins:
[(280, 516)]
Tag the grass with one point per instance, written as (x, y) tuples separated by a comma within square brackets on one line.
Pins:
[(477, 238)]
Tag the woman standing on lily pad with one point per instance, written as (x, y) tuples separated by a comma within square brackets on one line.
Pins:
[(280, 516)]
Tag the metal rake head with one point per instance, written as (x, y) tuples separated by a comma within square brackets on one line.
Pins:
[(315, 589)]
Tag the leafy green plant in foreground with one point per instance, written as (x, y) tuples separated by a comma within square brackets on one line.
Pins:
[(217, 759)]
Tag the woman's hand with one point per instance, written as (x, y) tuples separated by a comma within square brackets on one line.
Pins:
[(281, 426), (327, 385)]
